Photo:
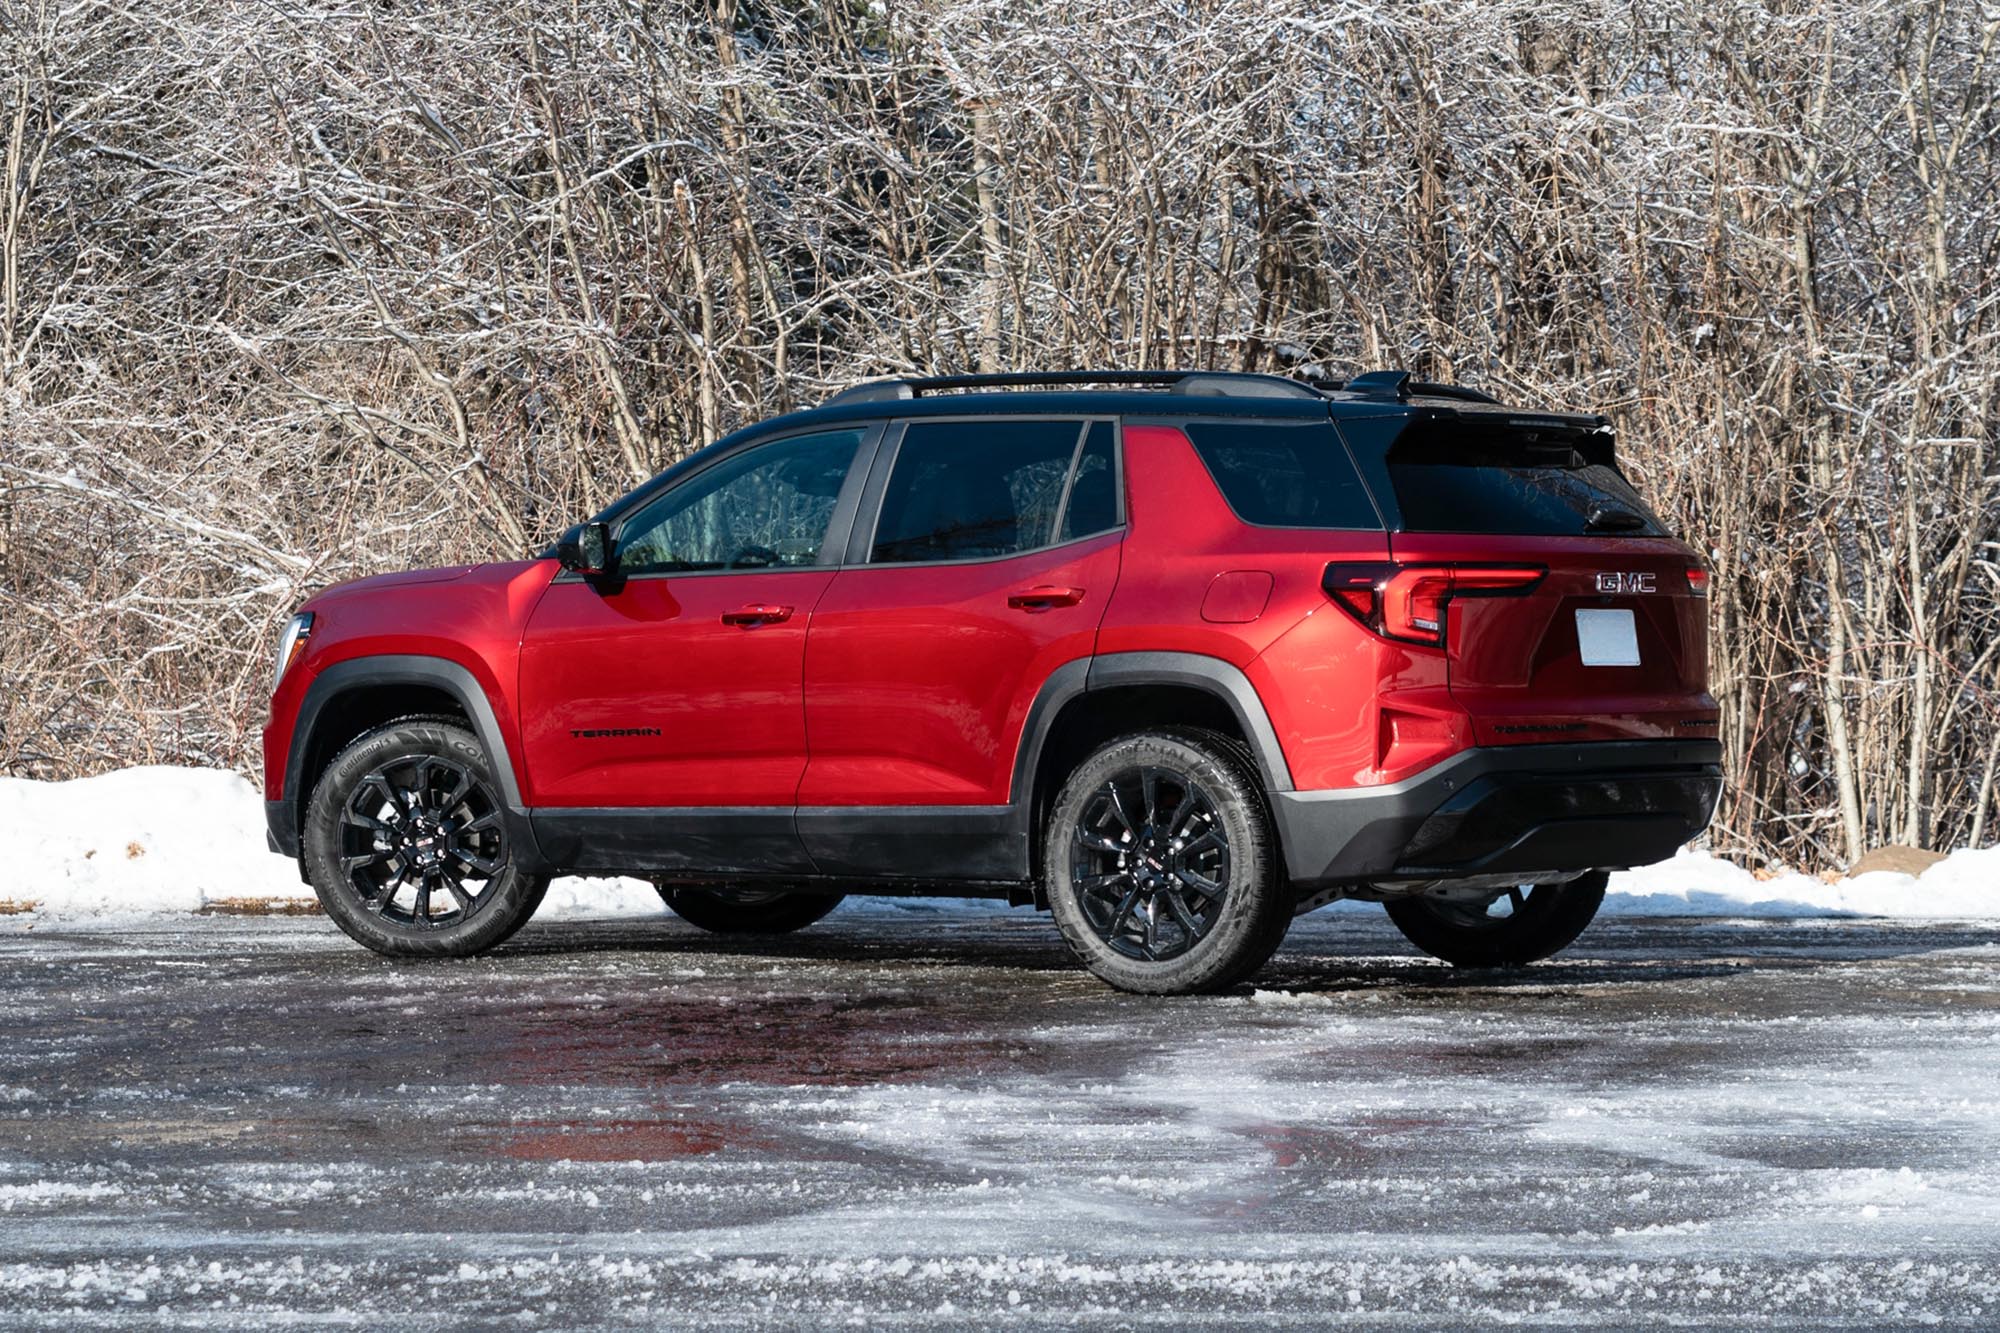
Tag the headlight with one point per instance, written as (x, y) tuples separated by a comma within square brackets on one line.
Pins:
[(297, 630)]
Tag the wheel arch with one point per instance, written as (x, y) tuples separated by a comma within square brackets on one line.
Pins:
[(356, 695), (1090, 700)]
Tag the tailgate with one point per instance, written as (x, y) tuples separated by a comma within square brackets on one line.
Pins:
[(1612, 641)]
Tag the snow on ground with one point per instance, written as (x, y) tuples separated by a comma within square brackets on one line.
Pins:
[(1963, 886), (143, 841)]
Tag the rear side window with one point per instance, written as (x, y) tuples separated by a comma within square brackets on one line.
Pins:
[(971, 490), (1445, 485), (1284, 476)]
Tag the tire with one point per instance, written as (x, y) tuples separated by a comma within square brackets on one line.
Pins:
[(406, 844), (748, 911), (1544, 920), (1161, 866)]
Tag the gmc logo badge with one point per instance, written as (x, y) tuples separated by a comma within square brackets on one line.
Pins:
[(1626, 582)]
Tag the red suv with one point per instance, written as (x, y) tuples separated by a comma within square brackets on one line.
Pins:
[(1176, 656)]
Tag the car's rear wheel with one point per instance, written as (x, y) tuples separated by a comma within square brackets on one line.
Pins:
[(406, 844), (1504, 928), (1160, 865), (748, 911)]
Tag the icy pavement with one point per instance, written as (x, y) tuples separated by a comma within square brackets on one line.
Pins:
[(922, 1114)]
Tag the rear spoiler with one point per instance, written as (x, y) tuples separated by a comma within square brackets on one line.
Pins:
[(1539, 435)]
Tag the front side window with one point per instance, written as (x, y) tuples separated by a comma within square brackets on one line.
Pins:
[(970, 490), (766, 508)]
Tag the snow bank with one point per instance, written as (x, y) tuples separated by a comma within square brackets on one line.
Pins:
[(140, 839), (1964, 885), (150, 840)]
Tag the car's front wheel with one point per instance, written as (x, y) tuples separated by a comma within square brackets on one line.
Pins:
[(406, 844), (1160, 865), (1501, 927)]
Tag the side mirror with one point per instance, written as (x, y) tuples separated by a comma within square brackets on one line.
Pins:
[(585, 549)]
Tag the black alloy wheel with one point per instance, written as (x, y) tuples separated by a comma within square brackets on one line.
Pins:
[(421, 840), (406, 843), (1508, 927), (1150, 862), (1161, 867)]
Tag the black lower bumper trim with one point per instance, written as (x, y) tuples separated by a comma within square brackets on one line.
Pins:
[(1532, 810)]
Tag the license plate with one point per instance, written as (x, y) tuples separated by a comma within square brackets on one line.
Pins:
[(1607, 638)]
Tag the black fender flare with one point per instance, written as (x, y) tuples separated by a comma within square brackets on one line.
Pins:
[(1215, 676), (437, 673), (1211, 675)]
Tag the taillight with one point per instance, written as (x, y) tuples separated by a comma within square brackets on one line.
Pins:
[(1358, 587), (1697, 580), (1409, 602)]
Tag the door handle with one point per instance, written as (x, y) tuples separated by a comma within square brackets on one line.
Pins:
[(1043, 599), (749, 616)]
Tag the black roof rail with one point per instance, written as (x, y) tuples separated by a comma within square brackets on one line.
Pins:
[(871, 391), (1205, 383), (1396, 386)]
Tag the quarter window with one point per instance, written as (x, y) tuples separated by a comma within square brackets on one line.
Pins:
[(766, 508), (1284, 476), (974, 490)]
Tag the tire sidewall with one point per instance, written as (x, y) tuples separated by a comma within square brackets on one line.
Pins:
[(1254, 913), (779, 915), (504, 906), (1551, 927)]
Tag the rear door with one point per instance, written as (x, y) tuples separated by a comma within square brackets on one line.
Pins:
[(1611, 643), (983, 558)]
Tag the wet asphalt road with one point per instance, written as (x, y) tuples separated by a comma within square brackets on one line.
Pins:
[(923, 1114)]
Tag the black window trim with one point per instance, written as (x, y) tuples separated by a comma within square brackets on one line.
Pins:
[(862, 541), (845, 506), (1069, 484)]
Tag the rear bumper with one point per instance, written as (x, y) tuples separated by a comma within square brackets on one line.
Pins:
[(1528, 810)]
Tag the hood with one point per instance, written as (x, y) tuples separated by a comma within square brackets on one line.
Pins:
[(382, 582)]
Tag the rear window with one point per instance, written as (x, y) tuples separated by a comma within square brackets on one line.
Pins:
[(1446, 486), (1284, 476)]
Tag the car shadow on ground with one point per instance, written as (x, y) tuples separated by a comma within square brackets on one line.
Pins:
[(1645, 952), (1026, 944)]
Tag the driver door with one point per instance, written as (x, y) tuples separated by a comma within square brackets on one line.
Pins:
[(677, 681)]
